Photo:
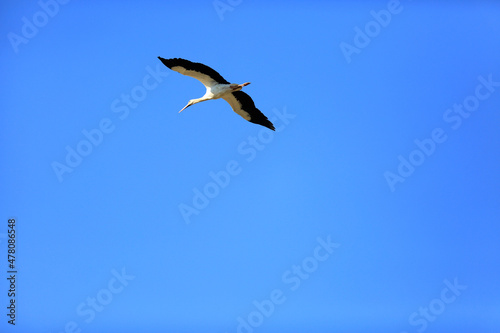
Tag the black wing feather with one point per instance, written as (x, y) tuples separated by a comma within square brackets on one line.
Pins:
[(194, 66), (256, 116)]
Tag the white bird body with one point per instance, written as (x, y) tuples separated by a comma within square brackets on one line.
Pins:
[(218, 87), (216, 91)]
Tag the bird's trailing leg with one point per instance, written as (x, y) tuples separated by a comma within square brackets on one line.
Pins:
[(238, 87)]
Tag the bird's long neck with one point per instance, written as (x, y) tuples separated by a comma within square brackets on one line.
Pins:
[(194, 101), (201, 99)]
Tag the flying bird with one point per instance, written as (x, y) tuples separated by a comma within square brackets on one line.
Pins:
[(218, 87)]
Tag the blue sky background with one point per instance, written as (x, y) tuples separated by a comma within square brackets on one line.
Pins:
[(351, 119)]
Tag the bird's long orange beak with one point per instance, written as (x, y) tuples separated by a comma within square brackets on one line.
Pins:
[(184, 108), (245, 84)]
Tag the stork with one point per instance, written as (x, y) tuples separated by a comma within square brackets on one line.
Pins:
[(218, 87)]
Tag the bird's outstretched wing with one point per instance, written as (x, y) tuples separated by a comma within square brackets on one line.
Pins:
[(208, 76), (243, 105)]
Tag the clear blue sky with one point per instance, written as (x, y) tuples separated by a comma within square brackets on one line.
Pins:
[(374, 207)]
